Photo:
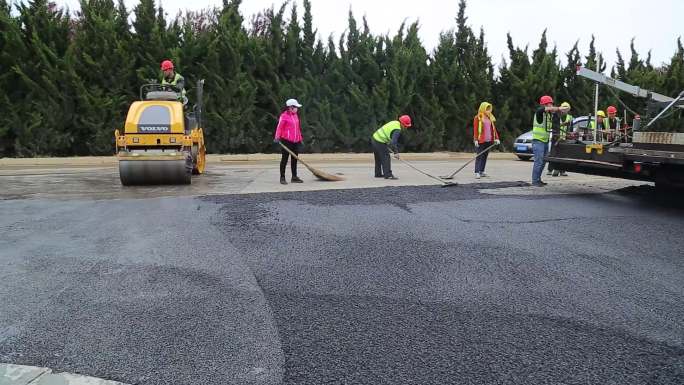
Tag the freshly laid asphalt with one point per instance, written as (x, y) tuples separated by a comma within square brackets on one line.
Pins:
[(397, 285)]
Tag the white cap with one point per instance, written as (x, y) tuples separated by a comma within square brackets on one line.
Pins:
[(292, 103)]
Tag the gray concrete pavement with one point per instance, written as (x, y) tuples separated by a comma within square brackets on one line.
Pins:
[(32, 375), (489, 282), (76, 180)]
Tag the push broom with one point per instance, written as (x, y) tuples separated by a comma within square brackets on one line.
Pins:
[(443, 182), (318, 173), (467, 163)]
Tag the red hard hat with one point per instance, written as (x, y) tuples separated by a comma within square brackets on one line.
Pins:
[(546, 99), (166, 65), (611, 110), (405, 120)]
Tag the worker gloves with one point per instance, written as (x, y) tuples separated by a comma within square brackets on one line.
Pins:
[(476, 143), (497, 142)]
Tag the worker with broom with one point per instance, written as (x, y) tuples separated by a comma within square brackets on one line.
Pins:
[(384, 140), (484, 135), (289, 134)]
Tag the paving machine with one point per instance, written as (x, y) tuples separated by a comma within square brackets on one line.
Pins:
[(161, 142), (632, 152)]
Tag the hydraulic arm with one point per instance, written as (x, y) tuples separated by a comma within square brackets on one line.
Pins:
[(622, 86)]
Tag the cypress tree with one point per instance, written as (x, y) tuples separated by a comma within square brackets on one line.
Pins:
[(67, 82), (147, 42), (573, 89), (309, 40), (418, 98), (12, 52), (463, 78), (446, 79), (516, 102), (231, 93), (673, 85), (101, 71), (46, 110)]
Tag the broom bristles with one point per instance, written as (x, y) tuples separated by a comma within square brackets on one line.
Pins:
[(318, 173)]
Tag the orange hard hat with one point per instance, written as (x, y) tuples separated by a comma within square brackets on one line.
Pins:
[(166, 65), (405, 120)]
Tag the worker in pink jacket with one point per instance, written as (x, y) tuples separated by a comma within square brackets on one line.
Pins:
[(289, 133)]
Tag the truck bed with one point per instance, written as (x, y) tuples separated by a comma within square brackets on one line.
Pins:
[(652, 156)]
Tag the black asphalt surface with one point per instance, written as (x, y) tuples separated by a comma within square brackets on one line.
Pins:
[(405, 285)]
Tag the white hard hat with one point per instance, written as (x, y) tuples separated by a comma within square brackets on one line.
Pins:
[(292, 103)]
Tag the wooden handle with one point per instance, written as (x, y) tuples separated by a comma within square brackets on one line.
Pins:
[(294, 155)]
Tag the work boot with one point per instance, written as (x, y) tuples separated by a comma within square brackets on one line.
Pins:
[(563, 173), (295, 179), (391, 176), (538, 184), (282, 180), (555, 173), (483, 174), (478, 175)]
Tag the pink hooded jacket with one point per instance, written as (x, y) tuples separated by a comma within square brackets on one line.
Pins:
[(288, 127)]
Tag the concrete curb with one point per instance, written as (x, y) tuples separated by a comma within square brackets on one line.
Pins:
[(108, 161), (11, 374)]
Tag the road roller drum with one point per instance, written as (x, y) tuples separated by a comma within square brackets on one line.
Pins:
[(155, 170)]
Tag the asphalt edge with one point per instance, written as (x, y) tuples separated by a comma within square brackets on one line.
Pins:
[(11, 374)]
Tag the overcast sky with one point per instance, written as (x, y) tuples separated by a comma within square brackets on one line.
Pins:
[(654, 24)]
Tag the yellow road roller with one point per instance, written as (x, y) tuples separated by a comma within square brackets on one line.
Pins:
[(162, 142)]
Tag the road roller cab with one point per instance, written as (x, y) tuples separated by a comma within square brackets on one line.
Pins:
[(161, 142)]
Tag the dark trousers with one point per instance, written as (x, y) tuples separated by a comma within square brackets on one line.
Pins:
[(383, 164), (294, 147), (481, 160)]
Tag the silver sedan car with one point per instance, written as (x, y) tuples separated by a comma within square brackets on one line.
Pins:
[(523, 143), (523, 146)]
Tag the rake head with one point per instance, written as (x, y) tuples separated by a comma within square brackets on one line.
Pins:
[(449, 184)]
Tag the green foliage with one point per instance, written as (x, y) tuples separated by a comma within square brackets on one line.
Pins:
[(12, 51), (45, 106), (67, 81), (101, 95)]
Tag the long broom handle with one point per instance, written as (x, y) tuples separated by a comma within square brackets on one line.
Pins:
[(294, 155), (420, 171), (470, 161)]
